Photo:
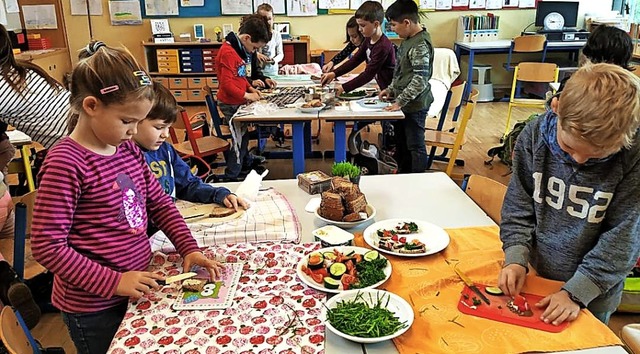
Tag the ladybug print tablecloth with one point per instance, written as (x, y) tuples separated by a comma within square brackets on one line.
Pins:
[(272, 312)]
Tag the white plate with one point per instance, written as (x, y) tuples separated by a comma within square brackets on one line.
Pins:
[(434, 237), (373, 103), (399, 306), (344, 249), (310, 109), (371, 211)]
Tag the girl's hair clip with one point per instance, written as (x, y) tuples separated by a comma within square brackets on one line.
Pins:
[(109, 89), (144, 78), (93, 47)]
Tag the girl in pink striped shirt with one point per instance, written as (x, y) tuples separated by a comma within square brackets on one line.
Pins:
[(95, 197)]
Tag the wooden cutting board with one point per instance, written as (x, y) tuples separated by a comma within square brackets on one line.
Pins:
[(200, 214), (498, 310)]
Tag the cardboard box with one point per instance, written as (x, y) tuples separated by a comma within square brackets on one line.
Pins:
[(314, 182)]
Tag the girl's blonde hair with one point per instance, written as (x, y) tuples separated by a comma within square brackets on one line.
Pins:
[(601, 104), (112, 75)]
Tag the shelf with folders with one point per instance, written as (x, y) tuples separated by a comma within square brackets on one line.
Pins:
[(473, 28)]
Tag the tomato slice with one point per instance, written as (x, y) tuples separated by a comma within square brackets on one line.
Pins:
[(321, 271), (318, 278)]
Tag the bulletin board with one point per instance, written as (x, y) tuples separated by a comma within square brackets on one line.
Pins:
[(212, 8)]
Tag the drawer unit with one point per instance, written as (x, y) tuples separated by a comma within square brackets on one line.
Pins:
[(196, 82), (164, 81), (167, 64), (188, 69), (167, 52), (212, 82), (178, 83), (209, 69), (195, 95), (167, 58), (169, 70), (180, 95)]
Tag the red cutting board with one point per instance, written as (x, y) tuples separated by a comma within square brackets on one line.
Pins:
[(498, 310)]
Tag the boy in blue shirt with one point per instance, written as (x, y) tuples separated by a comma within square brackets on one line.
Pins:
[(571, 210), (410, 86), (171, 171)]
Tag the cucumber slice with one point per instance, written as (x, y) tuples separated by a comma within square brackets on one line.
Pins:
[(331, 283), (329, 256), (371, 256), (493, 290), (336, 270), (316, 261)]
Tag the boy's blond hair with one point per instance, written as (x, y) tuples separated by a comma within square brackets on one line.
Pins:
[(601, 105)]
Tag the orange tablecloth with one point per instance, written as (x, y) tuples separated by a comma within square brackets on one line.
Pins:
[(431, 286)]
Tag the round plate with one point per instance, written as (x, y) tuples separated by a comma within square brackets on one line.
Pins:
[(371, 211), (434, 237), (344, 249), (373, 103), (399, 306), (311, 109)]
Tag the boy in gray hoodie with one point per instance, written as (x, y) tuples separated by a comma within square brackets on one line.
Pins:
[(571, 209)]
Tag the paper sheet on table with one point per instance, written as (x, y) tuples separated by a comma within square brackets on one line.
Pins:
[(16, 137), (433, 289)]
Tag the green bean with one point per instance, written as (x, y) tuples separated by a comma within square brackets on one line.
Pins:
[(356, 318)]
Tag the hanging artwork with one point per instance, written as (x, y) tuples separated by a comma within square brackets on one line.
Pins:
[(125, 13), (302, 8), (79, 7), (189, 3), (279, 6), (333, 4), (161, 7)]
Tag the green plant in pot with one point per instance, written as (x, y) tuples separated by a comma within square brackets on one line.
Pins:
[(346, 170)]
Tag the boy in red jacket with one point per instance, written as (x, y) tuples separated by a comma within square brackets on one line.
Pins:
[(235, 64)]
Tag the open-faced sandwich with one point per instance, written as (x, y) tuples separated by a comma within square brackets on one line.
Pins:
[(392, 240)]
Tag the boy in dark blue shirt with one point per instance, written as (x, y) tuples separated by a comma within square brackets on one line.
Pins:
[(171, 171)]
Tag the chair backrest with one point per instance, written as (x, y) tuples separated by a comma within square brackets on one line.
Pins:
[(212, 106), (527, 44), (536, 72), (488, 194), (453, 103), (14, 333), (184, 123)]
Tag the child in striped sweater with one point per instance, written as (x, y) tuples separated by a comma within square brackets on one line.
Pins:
[(96, 195)]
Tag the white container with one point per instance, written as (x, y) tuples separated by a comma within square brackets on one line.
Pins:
[(331, 236)]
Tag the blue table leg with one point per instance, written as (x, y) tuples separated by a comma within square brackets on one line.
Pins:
[(307, 137), (472, 55), (340, 140), (298, 147)]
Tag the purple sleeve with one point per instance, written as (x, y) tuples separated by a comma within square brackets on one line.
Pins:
[(354, 61), (379, 56), (56, 202)]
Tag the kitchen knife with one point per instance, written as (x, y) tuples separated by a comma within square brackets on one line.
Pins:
[(175, 278), (471, 285)]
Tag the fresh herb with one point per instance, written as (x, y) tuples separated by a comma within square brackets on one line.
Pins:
[(438, 293), (412, 226), (343, 169), (476, 301), (356, 318), (453, 320), (369, 273)]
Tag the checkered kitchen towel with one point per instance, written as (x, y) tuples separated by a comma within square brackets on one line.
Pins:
[(270, 218)]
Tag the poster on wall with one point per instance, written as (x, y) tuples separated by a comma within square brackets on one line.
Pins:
[(355, 4), (333, 4), (460, 3), (477, 4), (125, 13), (427, 4), (509, 3), (161, 7), (443, 4), (189, 3), (236, 7), (40, 16), (494, 4), (302, 8), (79, 7), (279, 6), (527, 4), (3, 14), (12, 6)]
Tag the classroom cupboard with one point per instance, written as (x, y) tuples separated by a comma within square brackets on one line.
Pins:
[(185, 67)]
